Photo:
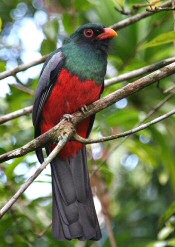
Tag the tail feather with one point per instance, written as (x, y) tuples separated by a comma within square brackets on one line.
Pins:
[(74, 213)]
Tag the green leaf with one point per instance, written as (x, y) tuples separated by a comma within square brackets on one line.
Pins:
[(2, 63), (120, 2), (47, 47), (167, 215), (69, 23), (160, 40)]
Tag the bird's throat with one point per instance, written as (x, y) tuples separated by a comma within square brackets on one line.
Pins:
[(86, 63)]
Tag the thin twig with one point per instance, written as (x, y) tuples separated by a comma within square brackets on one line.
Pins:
[(51, 156), (160, 9), (169, 89), (126, 133), (136, 18), (150, 113), (138, 72), (23, 67), (123, 11), (95, 107), (24, 89), (41, 234), (39, 142), (117, 26), (25, 111), (159, 105), (138, 6), (105, 199), (108, 82)]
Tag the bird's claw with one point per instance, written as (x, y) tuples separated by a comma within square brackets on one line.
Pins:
[(84, 109), (68, 117)]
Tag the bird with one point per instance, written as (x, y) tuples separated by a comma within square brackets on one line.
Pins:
[(72, 78)]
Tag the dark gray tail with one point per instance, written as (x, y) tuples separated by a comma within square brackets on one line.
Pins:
[(74, 213)]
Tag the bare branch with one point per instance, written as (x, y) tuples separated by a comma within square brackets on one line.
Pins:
[(108, 82), (95, 107), (150, 113), (23, 67), (50, 136), (41, 234), (117, 26), (138, 6), (160, 9), (136, 18), (25, 111), (104, 197), (24, 89), (126, 133), (51, 156), (138, 72)]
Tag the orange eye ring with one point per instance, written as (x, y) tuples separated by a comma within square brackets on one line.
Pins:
[(88, 33)]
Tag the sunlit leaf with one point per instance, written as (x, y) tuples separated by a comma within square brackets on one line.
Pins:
[(160, 40), (120, 2)]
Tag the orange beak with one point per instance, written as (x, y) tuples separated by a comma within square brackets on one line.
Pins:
[(109, 33)]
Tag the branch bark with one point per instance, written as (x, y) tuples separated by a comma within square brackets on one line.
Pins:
[(51, 156), (139, 72), (23, 67), (136, 18), (126, 133), (117, 26), (108, 82), (15, 114), (95, 107)]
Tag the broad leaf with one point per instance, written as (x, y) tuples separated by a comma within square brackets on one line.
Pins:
[(160, 40)]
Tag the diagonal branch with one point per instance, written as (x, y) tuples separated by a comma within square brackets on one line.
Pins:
[(51, 156), (138, 72), (25, 111), (23, 67), (108, 82), (126, 133), (136, 18), (52, 135), (117, 26)]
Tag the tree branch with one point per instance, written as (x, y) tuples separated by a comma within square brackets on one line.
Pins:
[(126, 133), (23, 67), (136, 18), (52, 135), (108, 82), (138, 6), (51, 156), (138, 72), (25, 111), (117, 26)]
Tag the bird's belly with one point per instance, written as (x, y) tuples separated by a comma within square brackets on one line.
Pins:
[(68, 96)]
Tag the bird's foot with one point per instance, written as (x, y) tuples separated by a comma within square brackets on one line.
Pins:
[(84, 109), (68, 117)]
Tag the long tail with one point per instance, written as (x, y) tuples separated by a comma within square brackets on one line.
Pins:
[(74, 213)]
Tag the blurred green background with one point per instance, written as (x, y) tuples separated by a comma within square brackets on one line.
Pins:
[(134, 178)]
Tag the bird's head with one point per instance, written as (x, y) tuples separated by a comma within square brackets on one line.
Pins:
[(93, 34)]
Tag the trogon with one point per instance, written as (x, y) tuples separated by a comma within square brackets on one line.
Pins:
[(71, 78)]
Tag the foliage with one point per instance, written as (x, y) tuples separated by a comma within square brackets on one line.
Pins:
[(138, 172)]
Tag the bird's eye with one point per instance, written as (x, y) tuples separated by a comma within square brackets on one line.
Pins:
[(88, 33)]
